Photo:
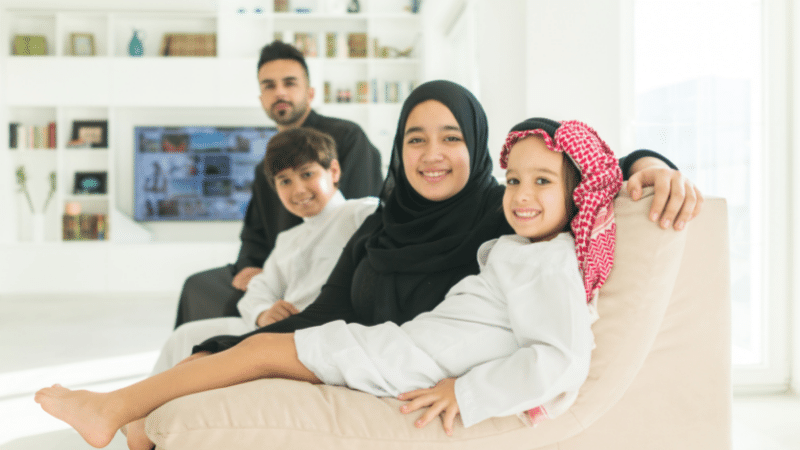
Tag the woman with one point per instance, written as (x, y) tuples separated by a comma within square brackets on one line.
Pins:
[(423, 238)]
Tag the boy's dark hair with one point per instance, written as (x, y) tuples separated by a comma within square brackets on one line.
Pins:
[(281, 50), (296, 147)]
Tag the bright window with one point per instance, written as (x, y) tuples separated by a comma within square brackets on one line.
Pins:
[(699, 99)]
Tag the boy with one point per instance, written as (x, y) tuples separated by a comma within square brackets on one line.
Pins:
[(301, 166)]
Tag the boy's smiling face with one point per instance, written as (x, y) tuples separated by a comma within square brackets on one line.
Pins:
[(534, 201), (306, 190)]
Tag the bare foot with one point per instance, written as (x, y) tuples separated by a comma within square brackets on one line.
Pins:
[(137, 439), (84, 411)]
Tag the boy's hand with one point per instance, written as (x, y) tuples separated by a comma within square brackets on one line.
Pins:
[(676, 199), (279, 311), (244, 276), (440, 399)]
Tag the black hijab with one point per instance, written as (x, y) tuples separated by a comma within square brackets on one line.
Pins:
[(419, 235), (420, 248)]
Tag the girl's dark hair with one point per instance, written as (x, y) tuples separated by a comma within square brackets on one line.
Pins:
[(572, 177), (280, 50), (296, 147)]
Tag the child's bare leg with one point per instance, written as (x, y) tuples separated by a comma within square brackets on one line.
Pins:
[(97, 416), (134, 431)]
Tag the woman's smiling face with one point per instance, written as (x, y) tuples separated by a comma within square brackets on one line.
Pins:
[(435, 155)]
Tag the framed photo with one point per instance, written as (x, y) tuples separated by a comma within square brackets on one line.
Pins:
[(82, 44), (92, 133), (90, 183)]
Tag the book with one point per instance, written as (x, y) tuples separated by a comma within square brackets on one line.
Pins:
[(13, 129), (51, 135), (331, 45), (362, 92), (357, 45)]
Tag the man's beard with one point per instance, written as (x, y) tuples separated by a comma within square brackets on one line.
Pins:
[(291, 115)]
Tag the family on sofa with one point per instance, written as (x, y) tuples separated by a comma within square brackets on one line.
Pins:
[(388, 297)]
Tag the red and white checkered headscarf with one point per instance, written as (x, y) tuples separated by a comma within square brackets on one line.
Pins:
[(593, 226), (601, 178)]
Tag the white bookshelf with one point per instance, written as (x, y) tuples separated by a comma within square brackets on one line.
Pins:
[(128, 91)]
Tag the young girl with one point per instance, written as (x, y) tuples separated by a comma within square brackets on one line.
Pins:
[(517, 335)]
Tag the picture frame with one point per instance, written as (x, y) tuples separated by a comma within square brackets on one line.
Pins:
[(82, 44), (90, 183), (93, 133)]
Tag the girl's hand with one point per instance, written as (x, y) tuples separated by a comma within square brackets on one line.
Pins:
[(440, 399)]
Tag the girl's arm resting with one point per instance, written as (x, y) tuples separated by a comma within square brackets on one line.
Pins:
[(552, 326)]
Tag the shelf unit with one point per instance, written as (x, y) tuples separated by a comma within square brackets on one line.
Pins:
[(128, 91)]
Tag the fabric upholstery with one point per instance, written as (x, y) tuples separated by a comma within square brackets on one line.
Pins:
[(660, 374)]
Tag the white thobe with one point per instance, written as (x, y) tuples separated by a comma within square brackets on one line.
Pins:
[(517, 336), (300, 263)]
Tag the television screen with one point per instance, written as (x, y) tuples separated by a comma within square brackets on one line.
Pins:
[(195, 173)]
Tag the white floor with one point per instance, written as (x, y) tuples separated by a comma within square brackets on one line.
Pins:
[(101, 342)]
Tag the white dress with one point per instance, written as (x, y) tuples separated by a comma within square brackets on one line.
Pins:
[(517, 336), (295, 271)]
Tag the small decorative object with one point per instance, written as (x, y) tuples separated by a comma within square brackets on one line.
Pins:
[(357, 43), (82, 44), (306, 43), (353, 6), (22, 182), (86, 133), (51, 192), (302, 10), (415, 5), (282, 6), (188, 44), (30, 45), (136, 47), (91, 183)]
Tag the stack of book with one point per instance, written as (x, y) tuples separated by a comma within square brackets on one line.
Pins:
[(84, 227), (189, 44), (32, 136)]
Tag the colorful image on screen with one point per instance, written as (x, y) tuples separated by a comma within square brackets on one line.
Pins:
[(195, 173)]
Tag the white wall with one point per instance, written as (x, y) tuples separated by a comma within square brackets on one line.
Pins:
[(794, 136), (575, 64)]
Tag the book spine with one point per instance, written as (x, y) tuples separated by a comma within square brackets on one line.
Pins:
[(13, 139), (51, 135)]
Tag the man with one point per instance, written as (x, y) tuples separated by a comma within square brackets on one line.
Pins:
[(286, 97)]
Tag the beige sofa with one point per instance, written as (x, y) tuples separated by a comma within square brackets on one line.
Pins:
[(660, 375)]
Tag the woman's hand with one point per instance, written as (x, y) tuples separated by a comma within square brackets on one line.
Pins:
[(676, 201), (440, 399), (279, 311)]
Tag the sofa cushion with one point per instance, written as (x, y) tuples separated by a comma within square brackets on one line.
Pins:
[(294, 415)]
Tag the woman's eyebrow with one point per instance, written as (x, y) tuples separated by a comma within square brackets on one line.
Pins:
[(443, 128)]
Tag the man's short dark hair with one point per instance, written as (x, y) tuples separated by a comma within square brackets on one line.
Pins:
[(296, 147), (280, 50)]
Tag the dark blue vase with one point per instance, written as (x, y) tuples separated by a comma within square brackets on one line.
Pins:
[(135, 48)]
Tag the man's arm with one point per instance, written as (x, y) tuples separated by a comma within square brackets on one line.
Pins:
[(676, 200)]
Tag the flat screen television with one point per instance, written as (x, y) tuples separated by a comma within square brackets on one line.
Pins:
[(192, 173)]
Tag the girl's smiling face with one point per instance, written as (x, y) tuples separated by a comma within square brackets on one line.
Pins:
[(435, 155), (535, 198)]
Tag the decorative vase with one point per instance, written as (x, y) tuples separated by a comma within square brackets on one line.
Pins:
[(353, 6), (136, 48)]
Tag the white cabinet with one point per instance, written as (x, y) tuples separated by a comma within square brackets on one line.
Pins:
[(125, 91)]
